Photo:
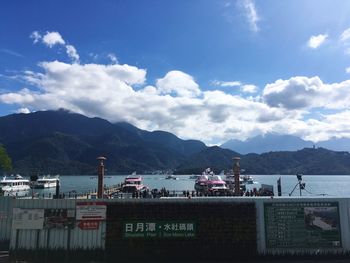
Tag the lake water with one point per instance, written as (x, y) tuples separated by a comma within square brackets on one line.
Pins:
[(315, 185)]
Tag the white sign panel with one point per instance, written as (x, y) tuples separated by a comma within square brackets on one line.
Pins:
[(28, 218), (91, 211)]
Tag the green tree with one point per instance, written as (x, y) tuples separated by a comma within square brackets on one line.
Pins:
[(5, 160)]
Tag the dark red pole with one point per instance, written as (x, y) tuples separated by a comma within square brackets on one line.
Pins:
[(236, 172), (101, 173)]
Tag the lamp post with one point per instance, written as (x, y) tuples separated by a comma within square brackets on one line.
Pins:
[(299, 183)]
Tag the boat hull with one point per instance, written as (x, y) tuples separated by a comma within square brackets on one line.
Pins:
[(16, 188), (45, 185)]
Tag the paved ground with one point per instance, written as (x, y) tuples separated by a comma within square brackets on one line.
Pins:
[(5, 259), (4, 256)]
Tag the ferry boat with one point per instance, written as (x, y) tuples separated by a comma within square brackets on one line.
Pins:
[(201, 182), (46, 182), (246, 182), (133, 183), (215, 184), (14, 183)]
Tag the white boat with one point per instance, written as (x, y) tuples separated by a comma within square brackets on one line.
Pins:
[(246, 182), (171, 177), (46, 182), (247, 179), (14, 183)]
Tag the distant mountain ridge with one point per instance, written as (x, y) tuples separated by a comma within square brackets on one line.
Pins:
[(68, 143), (275, 142), (316, 161), (61, 142)]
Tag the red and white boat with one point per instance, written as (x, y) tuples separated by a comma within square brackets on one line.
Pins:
[(216, 185), (209, 183), (201, 183), (133, 183)]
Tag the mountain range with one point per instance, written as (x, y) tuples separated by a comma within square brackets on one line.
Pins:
[(275, 142), (61, 142), (68, 143)]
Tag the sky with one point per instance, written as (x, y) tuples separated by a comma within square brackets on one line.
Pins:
[(211, 70)]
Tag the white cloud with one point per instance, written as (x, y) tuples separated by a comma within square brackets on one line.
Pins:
[(317, 41), (226, 83), (113, 58), (93, 56), (347, 70), (300, 93), (251, 14), (179, 83), (345, 36), (174, 104), (53, 38), (249, 88), (246, 88), (177, 105), (23, 110), (35, 36), (336, 125), (72, 53)]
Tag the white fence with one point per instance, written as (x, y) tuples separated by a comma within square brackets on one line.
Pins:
[(284, 224)]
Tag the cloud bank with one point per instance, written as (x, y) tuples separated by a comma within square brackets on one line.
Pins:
[(176, 102)]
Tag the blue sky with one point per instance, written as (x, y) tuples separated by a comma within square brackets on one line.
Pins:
[(208, 70)]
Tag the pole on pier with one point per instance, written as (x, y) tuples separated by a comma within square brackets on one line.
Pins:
[(236, 172), (279, 187), (101, 173), (57, 195)]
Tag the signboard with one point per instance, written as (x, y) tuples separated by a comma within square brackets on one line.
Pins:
[(28, 218), (89, 225), (302, 225), (160, 229), (59, 218), (91, 211)]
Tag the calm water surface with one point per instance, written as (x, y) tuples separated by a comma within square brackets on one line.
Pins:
[(316, 185)]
